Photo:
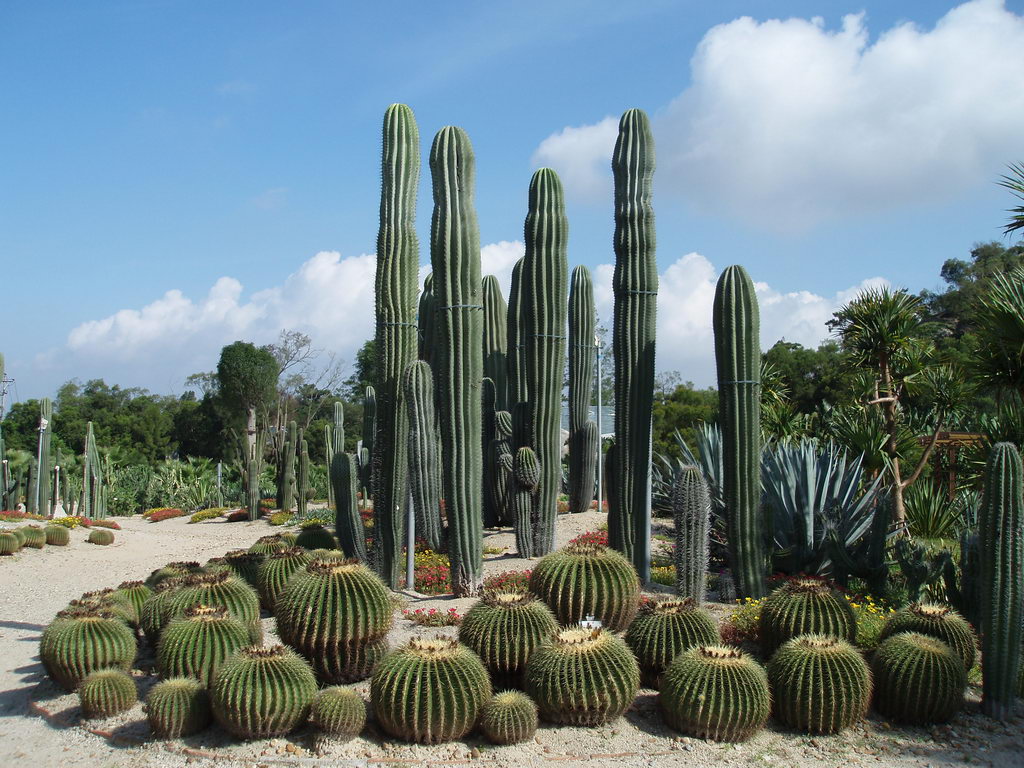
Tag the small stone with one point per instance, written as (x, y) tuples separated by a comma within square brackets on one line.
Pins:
[(474, 752)]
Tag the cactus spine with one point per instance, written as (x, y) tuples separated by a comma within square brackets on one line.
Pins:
[(496, 340), (455, 260), (738, 359), (503, 629), (525, 479), (178, 707), (303, 482), (83, 640), (1001, 537), (635, 285), (398, 259), (501, 460), (801, 607), (101, 537), (691, 508), (197, 644), (582, 430), (286, 471), (424, 463), (57, 535), (937, 621), (544, 295)]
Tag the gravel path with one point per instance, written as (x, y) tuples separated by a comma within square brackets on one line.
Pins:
[(35, 584)]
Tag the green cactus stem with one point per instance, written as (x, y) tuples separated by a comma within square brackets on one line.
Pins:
[(83, 640), (424, 462), (338, 713), (938, 621), (805, 606), (275, 571), (918, 679), (691, 510), (582, 430), (526, 478), (198, 643)]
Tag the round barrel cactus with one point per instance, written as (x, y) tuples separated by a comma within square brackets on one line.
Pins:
[(267, 544), (136, 593), (939, 621), (587, 579), (245, 565), (582, 677), (510, 717), (819, 684), (157, 609), (57, 535), (715, 692), (83, 640), (802, 607), (430, 690), (35, 536), (665, 628), (503, 629), (101, 536), (172, 570), (918, 679), (197, 644), (117, 604), (21, 536), (338, 713), (260, 693), (275, 570), (337, 614), (178, 707), (107, 692), (224, 589), (316, 537), (9, 543)]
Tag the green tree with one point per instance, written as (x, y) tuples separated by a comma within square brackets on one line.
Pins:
[(810, 377), (682, 409), (1014, 181), (365, 373), (246, 383), (998, 355)]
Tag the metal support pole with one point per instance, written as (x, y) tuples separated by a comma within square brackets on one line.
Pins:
[(600, 462), (410, 545), (645, 571), (39, 463)]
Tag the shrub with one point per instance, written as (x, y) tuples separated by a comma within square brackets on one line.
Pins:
[(280, 518), (433, 574), (592, 537), (159, 514), (433, 617), (72, 521), (508, 581), (237, 516), (207, 514), (102, 523)]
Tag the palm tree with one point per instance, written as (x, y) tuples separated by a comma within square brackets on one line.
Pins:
[(999, 354), (882, 331), (1014, 181)]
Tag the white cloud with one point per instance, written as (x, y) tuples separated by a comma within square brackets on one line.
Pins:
[(787, 124), (498, 259), (686, 294)]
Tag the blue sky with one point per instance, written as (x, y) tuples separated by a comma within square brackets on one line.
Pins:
[(178, 175)]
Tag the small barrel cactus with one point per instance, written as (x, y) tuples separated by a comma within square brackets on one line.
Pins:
[(35, 536), (430, 690), (337, 614), (101, 536), (582, 677), (805, 606), (83, 640), (918, 679), (665, 628), (510, 717), (338, 713), (57, 535), (178, 707), (111, 600), (260, 693), (275, 570), (265, 545), (156, 611), (172, 570), (107, 692), (938, 621), (503, 629), (245, 565), (586, 579), (223, 589), (197, 644), (715, 692), (21, 536), (9, 543), (819, 684), (316, 537), (136, 593)]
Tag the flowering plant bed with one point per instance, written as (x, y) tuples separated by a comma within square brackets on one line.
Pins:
[(432, 617)]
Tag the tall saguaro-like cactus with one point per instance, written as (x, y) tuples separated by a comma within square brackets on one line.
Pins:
[(544, 285), (1001, 537), (515, 332), (736, 323), (424, 463), (496, 341), (582, 430), (344, 478), (635, 286), (398, 260), (455, 260)]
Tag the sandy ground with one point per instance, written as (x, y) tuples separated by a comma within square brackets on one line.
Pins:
[(35, 584)]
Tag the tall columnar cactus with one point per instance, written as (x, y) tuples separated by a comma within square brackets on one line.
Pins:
[(337, 615), (582, 436), (424, 463), (715, 692), (426, 321), (198, 643), (455, 260), (429, 690), (918, 679), (45, 464), (819, 684), (635, 285), (1001, 538), (348, 523), (501, 459), (515, 334), (738, 358), (937, 621), (260, 693), (525, 480), (544, 296), (398, 260), (366, 452), (487, 435), (664, 629), (496, 340), (303, 480), (286, 471), (503, 629), (178, 707), (585, 579), (691, 509), (582, 677)]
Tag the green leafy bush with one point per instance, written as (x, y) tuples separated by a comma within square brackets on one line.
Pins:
[(209, 513)]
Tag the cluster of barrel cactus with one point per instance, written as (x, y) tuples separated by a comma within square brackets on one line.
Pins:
[(13, 540)]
